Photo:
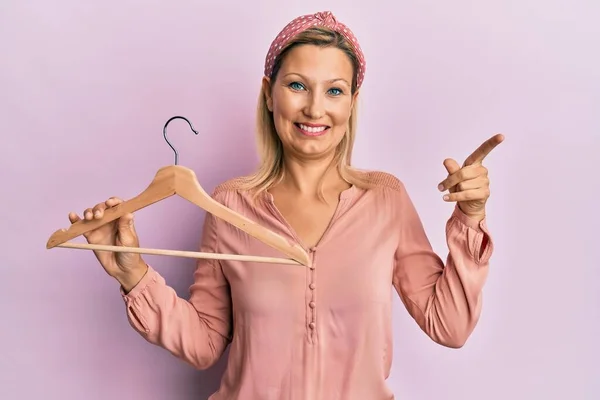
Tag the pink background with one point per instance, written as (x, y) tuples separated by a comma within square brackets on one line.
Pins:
[(85, 88)]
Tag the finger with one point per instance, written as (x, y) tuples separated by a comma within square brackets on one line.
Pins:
[(127, 234), (73, 217), (126, 221), (477, 183), (482, 151), (113, 201), (451, 165), (88, 214), (465, 173), (468, 195), (98, 210)]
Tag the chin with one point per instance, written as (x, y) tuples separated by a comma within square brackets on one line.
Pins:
[(311, 141), (313, 148)]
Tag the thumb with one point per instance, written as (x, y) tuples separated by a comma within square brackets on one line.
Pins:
[(451, 166), (126, 228)]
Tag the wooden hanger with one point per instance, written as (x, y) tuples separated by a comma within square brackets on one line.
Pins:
[(178, 180)]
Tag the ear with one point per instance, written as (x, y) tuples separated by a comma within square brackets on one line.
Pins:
[(266, 86)]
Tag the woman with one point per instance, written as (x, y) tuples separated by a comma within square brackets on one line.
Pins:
[(319, 332)]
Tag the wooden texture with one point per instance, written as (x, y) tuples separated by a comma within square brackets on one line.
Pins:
[(178, 253), (178, 180)]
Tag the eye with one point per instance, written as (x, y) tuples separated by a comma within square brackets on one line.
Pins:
[(335, 91), (296, 86)]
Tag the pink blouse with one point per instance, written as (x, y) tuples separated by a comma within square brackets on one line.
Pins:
[(324, 332)]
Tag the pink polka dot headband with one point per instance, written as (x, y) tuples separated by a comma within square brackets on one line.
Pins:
[(321, 19)]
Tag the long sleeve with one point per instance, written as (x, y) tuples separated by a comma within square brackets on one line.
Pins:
[(444, 299), (195, 330)]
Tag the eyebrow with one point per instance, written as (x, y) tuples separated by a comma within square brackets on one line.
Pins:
[(328, 81), (339, 79)]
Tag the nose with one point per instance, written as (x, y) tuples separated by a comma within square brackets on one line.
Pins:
[(315, 106)]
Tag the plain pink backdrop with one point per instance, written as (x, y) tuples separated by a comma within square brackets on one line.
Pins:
[(85, 88)]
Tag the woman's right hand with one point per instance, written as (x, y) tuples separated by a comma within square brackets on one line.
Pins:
[(127, 268)]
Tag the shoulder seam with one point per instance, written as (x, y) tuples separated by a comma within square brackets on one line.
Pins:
[(380, 179), (374, 179), (230, 185)]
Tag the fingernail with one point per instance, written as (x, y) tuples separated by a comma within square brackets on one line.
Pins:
[(97, 213), (440, 187), (446, 197)]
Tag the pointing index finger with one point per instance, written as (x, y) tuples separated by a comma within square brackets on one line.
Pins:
[(482, 151)]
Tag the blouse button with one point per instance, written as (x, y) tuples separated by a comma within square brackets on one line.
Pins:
[(312, 286), (312, 325), (312, 304)]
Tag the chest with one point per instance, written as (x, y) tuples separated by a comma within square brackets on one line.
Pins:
[(307, 220), (352, 267)]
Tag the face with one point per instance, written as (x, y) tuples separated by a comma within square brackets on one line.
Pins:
[(311, 100)]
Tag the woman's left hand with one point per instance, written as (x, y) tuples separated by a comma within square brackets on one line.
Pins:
[(469, 186)]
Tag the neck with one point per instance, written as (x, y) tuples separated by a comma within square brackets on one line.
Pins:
[(304, 176)]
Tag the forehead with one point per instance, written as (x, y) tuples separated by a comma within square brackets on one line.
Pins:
[(318, 63)]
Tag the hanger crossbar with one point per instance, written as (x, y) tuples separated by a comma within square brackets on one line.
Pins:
[(179, 253)]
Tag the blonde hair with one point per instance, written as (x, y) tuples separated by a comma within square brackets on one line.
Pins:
[(271, 168)]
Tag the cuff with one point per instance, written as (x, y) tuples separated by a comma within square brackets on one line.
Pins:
[(147, 280), (478, 235), (479, 226)]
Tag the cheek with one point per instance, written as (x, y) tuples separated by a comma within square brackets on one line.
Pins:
[(283, 115), (340, 114), (281, 118), (285, 106)]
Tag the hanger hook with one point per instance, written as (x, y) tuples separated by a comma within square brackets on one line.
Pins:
[(167, 140)]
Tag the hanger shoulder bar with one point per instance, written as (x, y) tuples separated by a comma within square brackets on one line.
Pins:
[(179, 253), (259, 232), (161, 187), (189, 188)]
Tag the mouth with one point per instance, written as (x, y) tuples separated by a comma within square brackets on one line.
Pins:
[(311, 129)]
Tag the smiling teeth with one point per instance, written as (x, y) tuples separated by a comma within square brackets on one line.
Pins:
[(311, 129)]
